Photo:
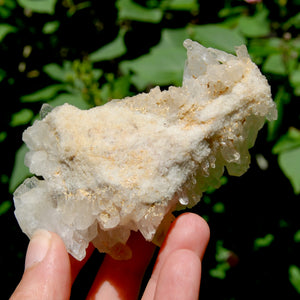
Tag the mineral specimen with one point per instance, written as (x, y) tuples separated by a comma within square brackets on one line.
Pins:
[(128, 164)]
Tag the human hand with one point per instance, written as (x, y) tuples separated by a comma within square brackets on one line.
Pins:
[(50, 271)]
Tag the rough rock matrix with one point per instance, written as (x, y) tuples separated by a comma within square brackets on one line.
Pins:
[(128, 164)]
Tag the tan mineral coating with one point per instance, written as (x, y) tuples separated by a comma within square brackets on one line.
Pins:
[(128, 164)]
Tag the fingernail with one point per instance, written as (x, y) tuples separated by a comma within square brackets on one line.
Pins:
[(38, 247)]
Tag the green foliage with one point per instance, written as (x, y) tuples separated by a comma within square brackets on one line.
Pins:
[(88, 52), (39, 6), (21, 118), (222, 255), (129, 10), (263, 241), (160, 66), (294, 273), (110, 51), (5, 29), (20, 171), (5, 206), (288, 150), (216, 36)]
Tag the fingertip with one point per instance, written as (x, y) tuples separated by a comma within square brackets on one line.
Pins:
[(196, 224), (47, 272), (189, 231), (180, 276), (37, 248)]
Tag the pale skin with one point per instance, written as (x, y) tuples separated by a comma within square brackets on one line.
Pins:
[(50, 270)]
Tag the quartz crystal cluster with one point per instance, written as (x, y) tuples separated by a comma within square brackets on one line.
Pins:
[(128, 164)]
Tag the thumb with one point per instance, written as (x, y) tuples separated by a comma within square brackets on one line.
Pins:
[(47, 272)]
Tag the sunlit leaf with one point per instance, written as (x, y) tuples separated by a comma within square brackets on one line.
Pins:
[(57, 72), (20, 171), (112, 50), (263, 241), (274, 64), (163, 65), (294, 274), (73, 99), (215, 36), (21, 117), (50, 27), (289, 162), (5, 29), (288, 150), (295, 79), (255, 26), (297, 237), (189, 5), (129, 10), (289, 141), (39, 6), (222, 255), (220, 270), (46, 93)]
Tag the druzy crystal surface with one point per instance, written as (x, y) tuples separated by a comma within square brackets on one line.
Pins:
[(128, 164)]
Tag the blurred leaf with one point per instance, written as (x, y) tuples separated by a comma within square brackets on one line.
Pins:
[(288, 148), (255, 26), (129, 10), (295, 81), (293, 21), (6, 8), (3, 136), (57, 72), (263, 242), (218, 208), (4, 207), (20, 171), (5, 29), (73, 99), (220, 270), (190, 5), (39, 6), (115, 88), (215, 36), (294, 274), (274, 64), (297, 237), (44, 94), (289, 141), (281, 99), (50, 27), (289, 162), (231, 11), (163, 65), (110, 51), (2, 74), (222, 255), (21, 118), (261, 48)]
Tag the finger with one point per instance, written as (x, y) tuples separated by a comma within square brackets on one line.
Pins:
[(122, 279), (77, 265), (189, 231), (47, 272), (179, 277)]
